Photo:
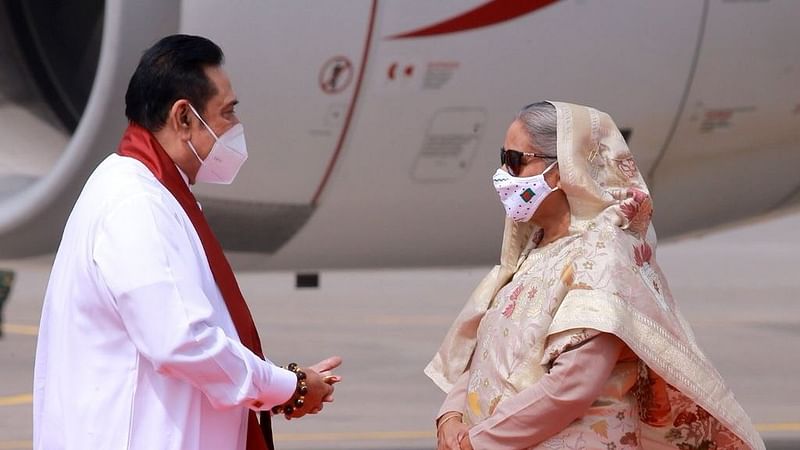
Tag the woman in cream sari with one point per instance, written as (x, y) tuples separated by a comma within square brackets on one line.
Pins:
[(574, 340)]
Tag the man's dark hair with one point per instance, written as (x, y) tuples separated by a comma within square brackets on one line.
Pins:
[(170, 70)]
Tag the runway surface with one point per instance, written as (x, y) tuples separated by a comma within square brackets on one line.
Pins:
[(738, 287)]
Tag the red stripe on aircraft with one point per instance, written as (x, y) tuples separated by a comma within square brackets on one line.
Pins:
[(491, 13), (357, 90)]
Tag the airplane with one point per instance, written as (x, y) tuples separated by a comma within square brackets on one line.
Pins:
[(374, 126)]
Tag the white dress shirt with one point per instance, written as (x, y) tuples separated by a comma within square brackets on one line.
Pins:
[(136, 348)]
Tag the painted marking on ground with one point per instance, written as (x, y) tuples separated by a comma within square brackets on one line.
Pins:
[(26, 330), (381, 436), (788, 426), (355, 436), (16, 445), (14, 400)]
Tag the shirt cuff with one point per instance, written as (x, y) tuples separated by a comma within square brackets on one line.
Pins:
[(282, 385)]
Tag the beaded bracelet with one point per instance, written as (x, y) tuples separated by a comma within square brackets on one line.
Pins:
[(299, 397)]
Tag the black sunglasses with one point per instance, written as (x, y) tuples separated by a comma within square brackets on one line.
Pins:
[(512, 159)]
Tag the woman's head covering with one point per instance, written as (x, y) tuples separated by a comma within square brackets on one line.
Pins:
[(599, 177), (598, 173), (611, 283)]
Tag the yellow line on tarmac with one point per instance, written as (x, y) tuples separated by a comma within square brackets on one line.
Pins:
[(355, 436), (26, 330), (16, 445), (26, 399), (379, 436), (789, 426), (13, 400)]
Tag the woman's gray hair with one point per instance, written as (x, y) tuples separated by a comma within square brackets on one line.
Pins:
[(539, 120)]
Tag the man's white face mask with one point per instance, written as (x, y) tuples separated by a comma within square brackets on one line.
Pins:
[(521, 196), (226, 156)]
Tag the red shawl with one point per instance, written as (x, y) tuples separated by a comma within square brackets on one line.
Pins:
[(138, 143)]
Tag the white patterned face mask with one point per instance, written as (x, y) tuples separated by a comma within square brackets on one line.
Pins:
[(226, 156), (521, 196)]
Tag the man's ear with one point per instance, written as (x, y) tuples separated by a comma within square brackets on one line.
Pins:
[(180, 119)]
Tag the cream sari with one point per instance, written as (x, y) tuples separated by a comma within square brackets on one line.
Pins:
[(603, 277)]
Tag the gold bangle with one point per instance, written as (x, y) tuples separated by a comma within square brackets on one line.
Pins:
[(446, 418)]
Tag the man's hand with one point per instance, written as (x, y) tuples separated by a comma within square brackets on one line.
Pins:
[(449, 432), (325, 369), (320, 381)]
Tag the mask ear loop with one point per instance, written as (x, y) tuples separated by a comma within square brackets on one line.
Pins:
[(191, 146), (203, 122), (194, 151), (552, 189)]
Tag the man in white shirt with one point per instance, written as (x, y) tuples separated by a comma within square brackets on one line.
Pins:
[(145, 339)]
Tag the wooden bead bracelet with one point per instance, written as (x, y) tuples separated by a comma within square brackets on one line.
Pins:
[(299, 398)]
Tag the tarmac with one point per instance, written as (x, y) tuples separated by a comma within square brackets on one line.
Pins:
[(738, 287)]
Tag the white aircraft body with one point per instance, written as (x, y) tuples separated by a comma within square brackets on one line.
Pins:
[(374, 127)]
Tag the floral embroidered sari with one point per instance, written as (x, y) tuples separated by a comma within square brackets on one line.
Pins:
[(602, 277)]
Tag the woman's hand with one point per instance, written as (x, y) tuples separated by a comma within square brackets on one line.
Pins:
[(463, 441), (449, 431)]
